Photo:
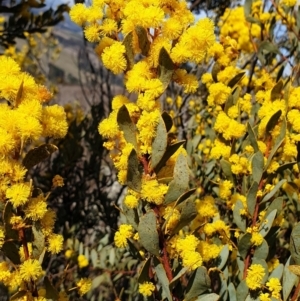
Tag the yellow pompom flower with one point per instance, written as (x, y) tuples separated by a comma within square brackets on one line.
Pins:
[(255, 275), (18, 194), (113, 57), (36, 208), (121, 236), (256, 238), (54, 122), (55, 243), (274, 287), (84, 285), (192, 260), (31, 270), (153, 192), (131, 201), (2, 237), (57, 181), (69, 253), (82, 261), (146, 288), (92, 33), (78, 14)]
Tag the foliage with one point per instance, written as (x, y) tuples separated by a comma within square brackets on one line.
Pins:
[(27, 17)]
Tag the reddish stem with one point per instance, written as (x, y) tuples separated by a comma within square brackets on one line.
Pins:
[(296, 293)]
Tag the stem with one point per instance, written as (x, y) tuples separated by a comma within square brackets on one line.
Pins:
[(296, 293)]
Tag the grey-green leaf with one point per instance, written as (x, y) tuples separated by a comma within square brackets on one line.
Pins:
[(171, 150), (159, 144), (266, 226), (289, 280), (244, 245), (198, 283), (134, 176), (180, 182), (295, 244), (127, 126), (257, 166), (144, 42), (262, 251), (252, 138), (251, 198), (162, 278), (269, 195), (38, 154), (148, 233), (129, 53), (237, 217), (276, 90), (165, 67)]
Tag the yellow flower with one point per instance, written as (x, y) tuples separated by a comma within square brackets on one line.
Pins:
[(78, 14), (225, 189), (256, 238), (47, 222), (153, 192), (31, 270), (69, 253), (55, 243), (18, 194), (192, 260), (121, 236), (113, 57), (274, 287), (264, 297), (131, 201), (82, 261), (92, 33), (255, 275), (36, 208), (84, 285), (54, 122), (146, 288)]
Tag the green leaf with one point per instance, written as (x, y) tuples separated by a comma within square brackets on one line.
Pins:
[(129, 54), (265, 227), (38, 243), (295, 244), (198, 283), (228, 104), (94, 257), (247, 8), (298, 153), (236, 79), (269, 195), (127, 126), (276, 90), (165, 67), (168, 120), (208, 297), (11, 251), (277, 272), (162, 278), (278, 143), (237, 217), (244, 245), (266, 47), (253, 20), (215, 70), (251, 198), (223, 257), (144, 274), (283, 167), (171, 150), (134, 176), (144, 42), (262, 251), (252, 138), (276, 204), (51, 292), (288, 281), (182, 272), (188, 212), (148, 233), (38, 154), (185, 196), (10, 233), (226, 168), (242, 291), (131, 215), (180, 183), (257, 166), (232, 292), (273, 122), (159, 144)]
